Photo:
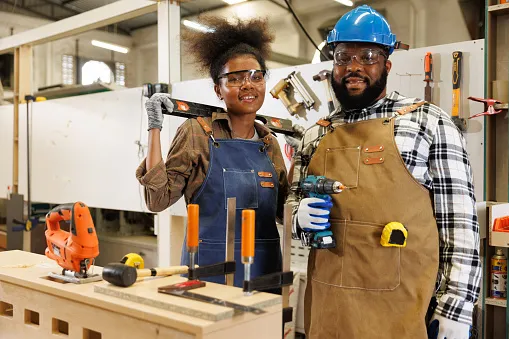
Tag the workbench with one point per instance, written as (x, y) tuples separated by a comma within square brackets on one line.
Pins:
[(32, 306)]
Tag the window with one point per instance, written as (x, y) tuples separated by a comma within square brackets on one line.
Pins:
[(95, 71), (120, 73), (67, 69)]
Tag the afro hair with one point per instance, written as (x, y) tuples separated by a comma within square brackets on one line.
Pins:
[(224, 41)]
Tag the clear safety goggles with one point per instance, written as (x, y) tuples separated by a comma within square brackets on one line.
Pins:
[(237, 78), (366, 56)]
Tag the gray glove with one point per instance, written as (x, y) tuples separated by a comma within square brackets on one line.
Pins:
[(155, 111)]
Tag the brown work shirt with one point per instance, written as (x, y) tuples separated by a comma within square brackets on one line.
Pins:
[(188, 161)]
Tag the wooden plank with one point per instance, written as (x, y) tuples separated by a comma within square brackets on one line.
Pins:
[(501, 106), (15, 135), (95, 18), (25, 270), (496, 302), (501, 9)]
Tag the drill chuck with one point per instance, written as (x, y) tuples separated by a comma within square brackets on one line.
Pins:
[(322, 186)]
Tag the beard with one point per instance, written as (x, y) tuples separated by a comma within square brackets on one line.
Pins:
[(364, 99)]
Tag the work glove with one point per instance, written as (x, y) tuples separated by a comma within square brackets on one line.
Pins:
[(155, 111), (444, 328), (313, 214)]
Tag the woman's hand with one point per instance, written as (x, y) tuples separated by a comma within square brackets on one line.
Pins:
[(155, 110)]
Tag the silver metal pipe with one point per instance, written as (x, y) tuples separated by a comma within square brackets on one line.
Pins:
[(247, 276)]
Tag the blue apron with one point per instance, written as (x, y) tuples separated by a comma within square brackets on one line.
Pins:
[(241, 169)]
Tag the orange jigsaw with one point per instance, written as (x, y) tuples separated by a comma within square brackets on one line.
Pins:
[(75, 250)]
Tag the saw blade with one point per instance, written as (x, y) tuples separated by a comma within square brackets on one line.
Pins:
[(238, 309)]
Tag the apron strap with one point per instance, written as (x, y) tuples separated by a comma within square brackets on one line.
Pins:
[(206, 128)]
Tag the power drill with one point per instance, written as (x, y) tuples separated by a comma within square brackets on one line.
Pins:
[(320, 187)]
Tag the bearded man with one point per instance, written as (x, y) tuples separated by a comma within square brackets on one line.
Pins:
[(405, 169)]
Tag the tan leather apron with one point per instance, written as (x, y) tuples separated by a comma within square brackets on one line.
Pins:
[(360, 289)]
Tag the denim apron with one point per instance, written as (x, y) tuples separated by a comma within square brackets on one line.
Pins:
[(238, 169)]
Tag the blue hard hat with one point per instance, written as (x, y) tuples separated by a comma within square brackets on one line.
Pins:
[(363, 24)]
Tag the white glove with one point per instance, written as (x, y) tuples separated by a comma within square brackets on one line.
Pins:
[(313, 214), (155, 110), (450, 329)]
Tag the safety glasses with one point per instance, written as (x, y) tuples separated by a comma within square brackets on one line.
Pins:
[(365, 56), (236, 79)]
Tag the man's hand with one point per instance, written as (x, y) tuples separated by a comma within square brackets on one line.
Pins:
[(443, 328), (155, 111), (313, 214)]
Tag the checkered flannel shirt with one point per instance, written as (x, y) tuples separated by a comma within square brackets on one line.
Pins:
[(434, 151)]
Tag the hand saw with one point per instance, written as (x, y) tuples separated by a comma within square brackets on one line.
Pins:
[(188, 109), (456, 91)]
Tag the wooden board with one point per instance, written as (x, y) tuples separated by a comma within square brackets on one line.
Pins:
[(145, 292), (21, 285)]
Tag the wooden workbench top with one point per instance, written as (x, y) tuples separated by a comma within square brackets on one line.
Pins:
[(29, 269)]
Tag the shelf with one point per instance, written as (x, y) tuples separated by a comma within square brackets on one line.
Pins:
[(501, 106), (501, 9), (496, 302)]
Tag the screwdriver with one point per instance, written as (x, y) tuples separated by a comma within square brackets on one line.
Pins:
[(248, 244), (193, 217)]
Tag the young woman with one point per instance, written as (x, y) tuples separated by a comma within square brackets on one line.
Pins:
[(239, 158)]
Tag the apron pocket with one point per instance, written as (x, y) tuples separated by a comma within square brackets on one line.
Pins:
[(242, 185), (358, 261), (367, 264), (342, 164)]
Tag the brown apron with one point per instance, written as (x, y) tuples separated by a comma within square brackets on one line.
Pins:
[(360, 289)]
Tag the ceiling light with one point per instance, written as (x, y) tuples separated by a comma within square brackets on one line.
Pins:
[(196, 26), (348, 3), (112, 47), (233, 2)]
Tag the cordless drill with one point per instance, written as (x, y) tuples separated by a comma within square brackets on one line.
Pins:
[(320, 187)]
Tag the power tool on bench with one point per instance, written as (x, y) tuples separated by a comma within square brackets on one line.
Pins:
[(320, 187), (76, 250)]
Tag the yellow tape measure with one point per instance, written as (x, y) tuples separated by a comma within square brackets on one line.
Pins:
[(394, 234), (134, 260)]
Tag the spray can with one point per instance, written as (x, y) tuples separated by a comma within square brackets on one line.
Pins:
[(499, 275)]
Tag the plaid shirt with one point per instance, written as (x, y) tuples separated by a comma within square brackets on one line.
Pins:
[(188, 161), (434, 152)]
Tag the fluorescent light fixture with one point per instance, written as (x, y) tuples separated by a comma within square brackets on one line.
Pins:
[(348, 3), (233, 2), (196, 26), (112, 47)]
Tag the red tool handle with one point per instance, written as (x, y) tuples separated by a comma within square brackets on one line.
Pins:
[(428, 67), (248, 233), (193, 217)]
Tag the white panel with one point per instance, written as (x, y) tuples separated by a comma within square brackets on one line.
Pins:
[(83, 148), (6, 120)]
